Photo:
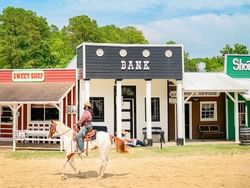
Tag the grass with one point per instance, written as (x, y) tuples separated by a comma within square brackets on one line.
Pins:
[(139, 152)]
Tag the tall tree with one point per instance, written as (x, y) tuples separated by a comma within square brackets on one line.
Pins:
[(24, 40), (81, 29)]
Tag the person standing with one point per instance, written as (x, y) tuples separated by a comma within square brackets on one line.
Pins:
[(85, 124)]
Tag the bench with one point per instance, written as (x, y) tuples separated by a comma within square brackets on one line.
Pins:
[(206, 130), (155, 131), (36, 133)]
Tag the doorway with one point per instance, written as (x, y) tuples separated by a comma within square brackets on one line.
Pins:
[(188, 120), (128, 110)]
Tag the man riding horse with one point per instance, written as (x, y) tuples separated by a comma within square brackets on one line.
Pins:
[(84, 124)]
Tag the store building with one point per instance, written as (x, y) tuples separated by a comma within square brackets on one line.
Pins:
[(30, 99), (128, 86), (238, 68)]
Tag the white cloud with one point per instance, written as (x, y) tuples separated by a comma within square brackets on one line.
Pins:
[(203, 35)]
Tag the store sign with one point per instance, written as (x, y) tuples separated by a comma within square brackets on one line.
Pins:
[(135, 65), (238, 66), (107, 61), (28, 76)]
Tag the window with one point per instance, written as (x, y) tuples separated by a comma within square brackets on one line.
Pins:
[(242, 114), (6, 114), (155, 109), (98, 108), (208, 111), (42, 112)]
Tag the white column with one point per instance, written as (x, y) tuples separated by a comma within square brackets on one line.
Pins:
[(86, 89), (61, 120), (180, 113), (82, 97), (148, 110), (236, 117), (119, 108), (14, 111)]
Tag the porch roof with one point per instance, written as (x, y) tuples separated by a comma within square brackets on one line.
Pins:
[(245, 82), (23, 93), (211, 82)]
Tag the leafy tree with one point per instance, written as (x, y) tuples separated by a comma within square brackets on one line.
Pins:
[(236, 49), (81, 29), (24, 40), (132, 35)]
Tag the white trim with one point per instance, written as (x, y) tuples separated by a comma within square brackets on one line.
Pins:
[(84, 61), (148, 109), (246, 114), (227, 132), (236, 118), (131, 45), (215, 111), (119, 108), (180, 110), (166, 105)]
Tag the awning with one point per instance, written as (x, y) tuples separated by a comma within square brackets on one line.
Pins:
[(246, 83), (52, 92), (211, 82)]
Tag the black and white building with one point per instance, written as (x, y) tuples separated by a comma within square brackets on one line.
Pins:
[(128, 86)]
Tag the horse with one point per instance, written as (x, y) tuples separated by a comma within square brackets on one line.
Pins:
[(103, 143)]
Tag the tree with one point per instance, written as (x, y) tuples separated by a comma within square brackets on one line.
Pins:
[(24, 40), (81, 29), (236, 49)]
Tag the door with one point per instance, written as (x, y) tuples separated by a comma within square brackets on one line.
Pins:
[(128, 109), (187, 120), (128, 116)]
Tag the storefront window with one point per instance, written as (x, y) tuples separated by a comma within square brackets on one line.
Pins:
[(44, 112), (242, 114), (98, 108), (208, 111), (155, 109), (6, 114)]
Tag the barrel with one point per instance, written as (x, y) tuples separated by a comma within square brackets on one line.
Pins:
[(245, 135)]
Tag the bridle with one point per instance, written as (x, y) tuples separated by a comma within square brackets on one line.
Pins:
[(53, 130)]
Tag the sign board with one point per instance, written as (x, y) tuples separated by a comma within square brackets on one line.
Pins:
[(28, 75), (237, 66), (109, 61)]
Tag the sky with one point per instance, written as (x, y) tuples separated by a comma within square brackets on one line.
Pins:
[(204, 27)]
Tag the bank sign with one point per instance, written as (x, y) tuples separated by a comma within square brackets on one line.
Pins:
[(237, 66), (107, 61)]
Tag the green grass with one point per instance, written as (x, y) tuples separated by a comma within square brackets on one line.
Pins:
[(139, 152)]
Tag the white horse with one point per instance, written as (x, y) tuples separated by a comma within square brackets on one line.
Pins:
[(103, 143)]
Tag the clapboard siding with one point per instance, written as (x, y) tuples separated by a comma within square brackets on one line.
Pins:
[(5, 76), (60, 75), (109, 65)]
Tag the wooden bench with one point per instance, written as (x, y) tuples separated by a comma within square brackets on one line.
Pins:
[(206, 130)]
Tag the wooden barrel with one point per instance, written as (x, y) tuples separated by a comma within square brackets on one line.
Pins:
[(245, 135)]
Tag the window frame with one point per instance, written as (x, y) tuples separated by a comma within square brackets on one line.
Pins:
[(44, 113), (215, 111), (154, 118), (98, 99), (1, 115)]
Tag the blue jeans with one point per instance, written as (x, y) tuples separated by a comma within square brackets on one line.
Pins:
[(80, 136)]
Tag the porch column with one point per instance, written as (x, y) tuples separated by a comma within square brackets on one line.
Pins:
[(236, 117), (86, 89), (61, 120), (119, 108), (14, 111), (148, 115), (180, 113)]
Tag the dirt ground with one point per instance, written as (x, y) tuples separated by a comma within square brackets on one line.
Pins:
[(153, 172)]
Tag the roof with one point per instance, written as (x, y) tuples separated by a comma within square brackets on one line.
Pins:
[(51, 92), (211, 82), (245, 82)]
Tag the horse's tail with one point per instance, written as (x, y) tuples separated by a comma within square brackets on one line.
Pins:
[(120, 145)]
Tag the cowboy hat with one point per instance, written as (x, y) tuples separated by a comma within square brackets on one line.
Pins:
[(87, 104)]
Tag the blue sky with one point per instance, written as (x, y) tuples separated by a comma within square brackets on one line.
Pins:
[(204, 27)]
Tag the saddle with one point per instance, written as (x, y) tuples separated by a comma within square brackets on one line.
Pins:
[(89, 135)]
